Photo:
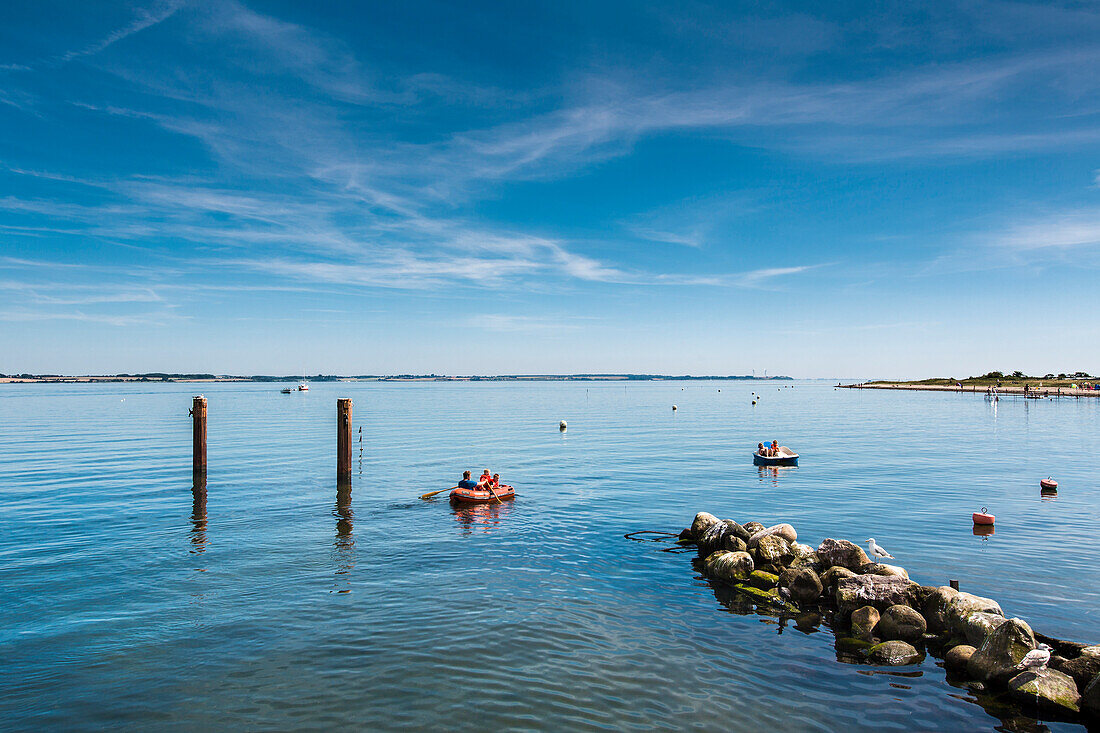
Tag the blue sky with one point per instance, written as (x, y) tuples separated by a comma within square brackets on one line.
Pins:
[(841, 189)]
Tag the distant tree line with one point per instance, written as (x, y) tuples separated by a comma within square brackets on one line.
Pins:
[(1017, 375)]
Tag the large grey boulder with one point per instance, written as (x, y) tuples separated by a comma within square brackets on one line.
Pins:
[(864, 621), (772, 549), (702, 522), (785, 531), (843, 553), (804, 585), (997, 657), (731, 567), (804, 555), (901, 623), (1048, 689), (964, 604), (979, 625), (934, 608), (894, 653), (957, 657), (879, 591), (720, 536)]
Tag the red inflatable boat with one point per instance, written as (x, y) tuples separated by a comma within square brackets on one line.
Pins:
[(476, 496)]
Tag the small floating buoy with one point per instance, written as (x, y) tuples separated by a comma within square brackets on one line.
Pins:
[(754, 402), (674, 408), (1049, 484), (562, 425), (983, 517)]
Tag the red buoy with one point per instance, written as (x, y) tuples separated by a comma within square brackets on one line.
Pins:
[(983, 517), (1048, 483)]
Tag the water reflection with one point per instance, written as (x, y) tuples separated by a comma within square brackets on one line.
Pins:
[(772, 473), (983, 530), (480, 516), (1048, 494), (344, 545), (198, 517)]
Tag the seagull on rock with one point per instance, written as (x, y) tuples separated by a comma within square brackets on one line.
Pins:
[(877, 550), (1035, 659)]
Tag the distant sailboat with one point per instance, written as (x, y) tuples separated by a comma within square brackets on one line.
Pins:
[(303, 387)]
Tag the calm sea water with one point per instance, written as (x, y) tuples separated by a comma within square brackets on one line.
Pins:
[(282, 607)]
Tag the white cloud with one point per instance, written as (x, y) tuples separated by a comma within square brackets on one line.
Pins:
[(1063, 230)]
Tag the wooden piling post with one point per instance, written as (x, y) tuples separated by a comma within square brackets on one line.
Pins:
[(343, 439), (198, 434)]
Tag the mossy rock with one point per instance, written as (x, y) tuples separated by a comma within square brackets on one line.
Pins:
[(894, 653), (768, 597), (851, 645), (1048, 689), (763, 580)]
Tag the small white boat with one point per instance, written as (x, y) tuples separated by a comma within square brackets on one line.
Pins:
[(286, 390), (303, 387)]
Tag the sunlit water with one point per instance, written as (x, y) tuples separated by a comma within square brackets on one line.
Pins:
[(124, 605)]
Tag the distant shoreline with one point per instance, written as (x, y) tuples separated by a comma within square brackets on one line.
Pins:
[(1034, 390), (161, 378)]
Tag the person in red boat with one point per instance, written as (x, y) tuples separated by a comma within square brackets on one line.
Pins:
[(496, 480), (485, 481)]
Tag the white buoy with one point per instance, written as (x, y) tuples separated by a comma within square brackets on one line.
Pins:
[(562, 425)]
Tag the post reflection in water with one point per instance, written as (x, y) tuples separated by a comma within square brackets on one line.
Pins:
[(483, 516), (198, 517), (344, 544)]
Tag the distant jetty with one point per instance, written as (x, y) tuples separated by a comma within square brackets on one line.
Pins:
[(169, 377)]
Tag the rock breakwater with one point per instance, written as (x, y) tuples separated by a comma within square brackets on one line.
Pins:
[(881, 616)]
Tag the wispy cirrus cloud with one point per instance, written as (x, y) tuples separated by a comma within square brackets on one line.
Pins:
[(23, 315), (758, 278), (512, 323), (1062, 230), (312, 191)]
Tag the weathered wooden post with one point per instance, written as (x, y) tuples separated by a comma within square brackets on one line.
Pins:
[(198, 434), (343, 440)]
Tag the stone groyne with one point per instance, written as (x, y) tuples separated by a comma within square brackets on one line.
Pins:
[(883, 617)]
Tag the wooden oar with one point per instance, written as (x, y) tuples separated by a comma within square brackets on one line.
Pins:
[(430, 494), (493, 494)]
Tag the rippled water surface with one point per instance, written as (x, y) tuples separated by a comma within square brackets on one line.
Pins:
[(281, 605)]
